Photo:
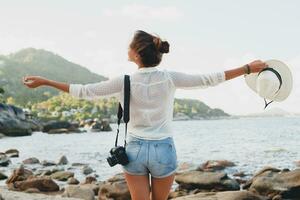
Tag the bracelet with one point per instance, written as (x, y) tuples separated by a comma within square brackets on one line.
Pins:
[(247, 69)]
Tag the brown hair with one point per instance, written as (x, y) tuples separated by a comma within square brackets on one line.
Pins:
[(149, 47)]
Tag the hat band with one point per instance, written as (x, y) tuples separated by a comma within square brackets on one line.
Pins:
[(279, 78)]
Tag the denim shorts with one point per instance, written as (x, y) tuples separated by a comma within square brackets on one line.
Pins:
[(157, 157)]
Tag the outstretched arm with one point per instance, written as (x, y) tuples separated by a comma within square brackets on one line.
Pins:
[(192, 81), (90, 91)]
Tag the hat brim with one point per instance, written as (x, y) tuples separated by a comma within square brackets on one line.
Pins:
[(286, 76)]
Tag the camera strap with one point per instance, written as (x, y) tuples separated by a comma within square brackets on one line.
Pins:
[(124, 111)]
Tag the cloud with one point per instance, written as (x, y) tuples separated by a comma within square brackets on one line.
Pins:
[(143, 12)]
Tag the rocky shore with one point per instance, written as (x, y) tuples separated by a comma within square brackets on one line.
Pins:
[(14, 122), (43, 180)]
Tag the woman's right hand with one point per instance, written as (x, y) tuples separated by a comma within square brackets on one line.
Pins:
[(34, 81), (257, 66)]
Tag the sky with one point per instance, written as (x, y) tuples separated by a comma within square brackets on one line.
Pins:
[(204, 36)]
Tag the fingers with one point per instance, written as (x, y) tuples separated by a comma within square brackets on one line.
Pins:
[(27, 78)]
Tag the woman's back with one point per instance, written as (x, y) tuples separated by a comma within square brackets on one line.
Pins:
[(151, 98)]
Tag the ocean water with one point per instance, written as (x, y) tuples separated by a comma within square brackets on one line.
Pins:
[(251, 143)]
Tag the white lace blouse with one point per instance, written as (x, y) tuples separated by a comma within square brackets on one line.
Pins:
[(151, 98)]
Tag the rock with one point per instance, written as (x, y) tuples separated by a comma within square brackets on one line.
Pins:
[(62, 175), (12, 153), (2, 176), (271, 182), (58, 131), (175, 194), (78, 191), (114, 190), (15, 195), (32, 190), (105, 125), (216, 181), (78, 164), (46, 163), (31, 161), (19, 174), (4, 160), (43, 184), (228, 195), (117, 177), (72, 181), (214, 165), (62, 161), (239, 174), (87, 170), (94, 186), (54, 127), (185, 166), (2, 136), (90, 179), (13, 121), (277, 197), (96, 127)]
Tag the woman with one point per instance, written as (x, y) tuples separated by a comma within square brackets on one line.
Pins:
[(150, 146)]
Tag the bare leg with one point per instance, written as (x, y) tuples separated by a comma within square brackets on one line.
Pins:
[(161, 187), (139, 186)]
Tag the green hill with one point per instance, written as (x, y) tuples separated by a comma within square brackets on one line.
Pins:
[(41, 63)]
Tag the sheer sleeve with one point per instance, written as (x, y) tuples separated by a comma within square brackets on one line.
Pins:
[(194, 81), (103, 89)]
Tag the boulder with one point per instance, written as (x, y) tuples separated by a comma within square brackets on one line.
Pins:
[(272, 182), (55, 127), (2, 176), (58, 131), (77, 191), (19, 174), (228, 195), (43, 184), (62, 160), (87, 170), (12, 153), (13, 121), (46, 163), (31, 161), (90, 179), (114, 190), (206, 181), (96, 127), (62, 175), (4, 160), (72, 181), (214, 165), (2, 135), (16, 195), (105, 126)]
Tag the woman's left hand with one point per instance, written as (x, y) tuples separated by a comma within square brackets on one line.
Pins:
[(257, 66)]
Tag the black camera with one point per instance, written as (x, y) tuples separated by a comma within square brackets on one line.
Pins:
[(118, 156)]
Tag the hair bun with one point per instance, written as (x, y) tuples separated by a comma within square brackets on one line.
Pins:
[(164, 47)]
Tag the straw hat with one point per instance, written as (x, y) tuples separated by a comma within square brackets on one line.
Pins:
[(274, 83)]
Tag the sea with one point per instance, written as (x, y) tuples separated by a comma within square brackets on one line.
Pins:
[(251, 143)]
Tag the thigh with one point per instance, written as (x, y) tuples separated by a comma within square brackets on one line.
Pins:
[(160, 187), (139, 186)]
